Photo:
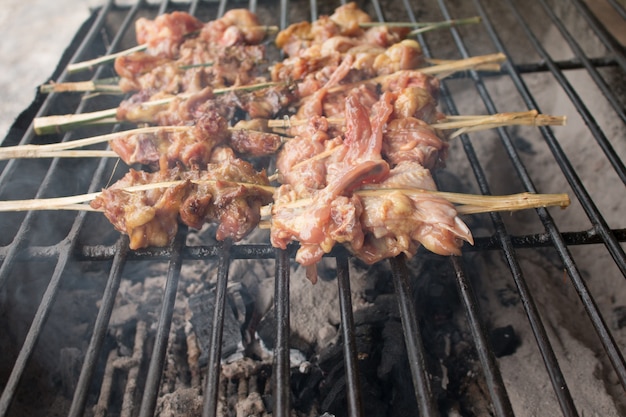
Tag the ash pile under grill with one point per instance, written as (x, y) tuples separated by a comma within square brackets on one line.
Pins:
[(317, 364)]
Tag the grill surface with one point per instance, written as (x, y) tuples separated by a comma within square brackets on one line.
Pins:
[(50, 245)]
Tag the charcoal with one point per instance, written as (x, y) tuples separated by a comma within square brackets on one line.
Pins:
[(504, 341), (202, 306)]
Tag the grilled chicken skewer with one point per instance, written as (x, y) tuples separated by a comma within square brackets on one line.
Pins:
[(62, 123), (246, 140)]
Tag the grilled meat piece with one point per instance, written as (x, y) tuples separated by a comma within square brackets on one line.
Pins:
[(224, 193)]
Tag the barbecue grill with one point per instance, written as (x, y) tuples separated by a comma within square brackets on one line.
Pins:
[(562, 59)]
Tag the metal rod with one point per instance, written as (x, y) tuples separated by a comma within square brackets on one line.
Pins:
[(214, 365), (280, 380), (503, 237), (578, 51), (412, 338), (157, 359), (601, 228), (353, 386), (100, 329), (590, 121), (603, 34), (501, 403)]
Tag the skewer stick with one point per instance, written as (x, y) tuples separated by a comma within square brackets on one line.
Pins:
[(419, 25), (467, 122), (66, 122), (442, 70), (54, 149), (488, 66), (98, 86), (81, 66), (469, 203), (62, 150), (57, 124), (463, 124), (105, 85)]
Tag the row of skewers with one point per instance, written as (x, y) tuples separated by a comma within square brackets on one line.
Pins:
[(350, 116)]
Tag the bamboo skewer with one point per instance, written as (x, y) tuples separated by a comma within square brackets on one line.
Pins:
[(98, 86), (469, 203), (468, 123), (85, 65), (54, 149), (62, 123), (65, 122), (420, 27), (441, 70), (463, 124), (60, 150), (80, 66)]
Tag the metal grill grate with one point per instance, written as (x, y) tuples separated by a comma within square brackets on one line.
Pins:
[(67, 245)]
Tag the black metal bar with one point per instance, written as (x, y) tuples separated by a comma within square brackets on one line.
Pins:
[(379, 11), (593, 72), (214, 365), (497, 390), (221, 8), (280, 381), (412, 338), (590, 121), (284, 9), (558, 381), (600, 225), (568, 64), (314, 12), (353, 386), (100, 328), (560, 157), (22, 233), (157, 359), (618, 8), (603, 34)]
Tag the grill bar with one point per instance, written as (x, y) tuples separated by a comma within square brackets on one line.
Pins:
[(593, 72), (582, 109), (100, 328), (413, 339), (215, 345), (353, 387), (556, 376), (157, 359), (281, 406), (603, 34), (501, 402), (243, 251), (616, 251), (618, 8), (572, 177)]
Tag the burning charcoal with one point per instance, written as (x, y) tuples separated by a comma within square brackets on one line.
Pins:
[(504, 341), (202, 306), (332, 388)]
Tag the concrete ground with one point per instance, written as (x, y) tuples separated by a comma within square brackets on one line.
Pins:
[(35, 33)]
